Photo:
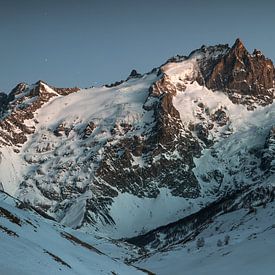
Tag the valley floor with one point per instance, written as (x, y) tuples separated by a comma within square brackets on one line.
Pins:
[(250, 248)]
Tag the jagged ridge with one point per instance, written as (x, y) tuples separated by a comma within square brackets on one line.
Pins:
[(142, 140)]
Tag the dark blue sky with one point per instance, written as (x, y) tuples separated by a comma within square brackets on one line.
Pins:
[(84, 43)]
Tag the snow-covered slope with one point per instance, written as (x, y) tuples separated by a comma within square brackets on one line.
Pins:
[(31, 244), (239, 242)]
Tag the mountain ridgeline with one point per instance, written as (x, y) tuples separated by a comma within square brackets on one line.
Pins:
[(127, 158)]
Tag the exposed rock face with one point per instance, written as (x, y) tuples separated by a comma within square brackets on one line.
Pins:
[(247, 78), (3, 102), (65, 91), (268, 154), (134, 74), (165, 140), (19, 89), (208, 58), (23, 102)]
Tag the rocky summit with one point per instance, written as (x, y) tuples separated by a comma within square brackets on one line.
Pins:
[(152, 159)]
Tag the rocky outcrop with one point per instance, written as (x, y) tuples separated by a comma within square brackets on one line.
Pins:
[(19, 89), (6, 99), (65, 91), (23, 101), (268, 153), (134, 74), (246, 78), (3, 102)]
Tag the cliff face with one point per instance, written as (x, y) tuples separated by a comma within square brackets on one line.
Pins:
[(247, 78)]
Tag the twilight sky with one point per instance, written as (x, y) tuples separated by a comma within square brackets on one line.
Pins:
[(84, 43)]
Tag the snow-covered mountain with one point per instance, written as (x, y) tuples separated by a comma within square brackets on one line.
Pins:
[(153, 159)]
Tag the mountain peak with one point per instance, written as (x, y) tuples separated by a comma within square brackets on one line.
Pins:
[(238, 48), (245, 77), (134, 74), (238, 43), (41, 82)]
